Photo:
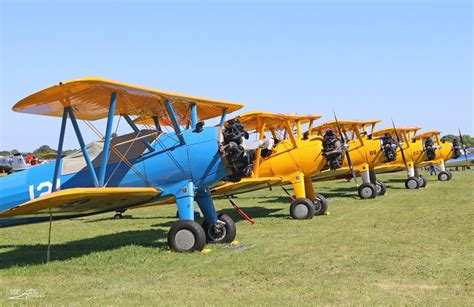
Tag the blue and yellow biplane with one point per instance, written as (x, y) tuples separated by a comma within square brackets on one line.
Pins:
[(147, 166)]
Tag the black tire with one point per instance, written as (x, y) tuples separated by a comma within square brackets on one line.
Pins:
[(450, 175), (186, 236), (380, 187), (367, 190), (320, 205), (118, 216), (302, 209), (224, 233), (423, 181), (443, 176), (412, 183)]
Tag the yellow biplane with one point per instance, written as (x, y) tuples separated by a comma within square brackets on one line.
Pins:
[(365, 154), (438, 152), (420, 150), (290, 157)]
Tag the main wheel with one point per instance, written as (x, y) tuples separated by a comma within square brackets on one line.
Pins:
[(302, 209), (423, 181), (320, 205), (450, 174), (224, 231), (380, 187), (118, 216), (367, 190), (186, 236), (412, 183), (443, 176)]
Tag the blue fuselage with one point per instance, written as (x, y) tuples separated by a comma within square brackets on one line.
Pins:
[(167, 167)]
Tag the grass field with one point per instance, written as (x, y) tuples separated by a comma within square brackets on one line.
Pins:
[(409, 247)]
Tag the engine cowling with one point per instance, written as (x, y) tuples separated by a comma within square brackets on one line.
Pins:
[(430, 149), (333, 150), (237, 159), (389, 147), (456, 149)]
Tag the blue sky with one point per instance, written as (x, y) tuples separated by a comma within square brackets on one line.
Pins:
[(406, 60)]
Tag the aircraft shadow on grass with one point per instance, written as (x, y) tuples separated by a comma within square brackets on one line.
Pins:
[(23, 255), (254, 212), (126, 217)]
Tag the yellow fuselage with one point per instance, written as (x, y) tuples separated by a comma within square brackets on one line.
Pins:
[(289, 161)]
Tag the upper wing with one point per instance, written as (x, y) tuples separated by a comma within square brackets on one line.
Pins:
[(428, 134), (345, 125), (83, 201), (390, 131), (90, 100), (253, 120), (246, 185)]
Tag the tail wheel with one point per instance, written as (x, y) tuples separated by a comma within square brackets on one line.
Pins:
[(320, 205), (367, 190), (380, 187), (302, 209), (224, 231), (186, 236), (443, 176), (412, 183), (423, 181)]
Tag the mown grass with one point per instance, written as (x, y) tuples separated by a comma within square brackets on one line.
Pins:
[(409, 247)]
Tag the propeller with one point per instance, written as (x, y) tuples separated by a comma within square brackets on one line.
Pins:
[(348, 156), (463, 146), (399, 141)]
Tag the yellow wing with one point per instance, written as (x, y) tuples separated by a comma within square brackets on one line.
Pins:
[(390, 131), (345, 125), (83, 201), (428, 134), (246, 185), (90, 99)]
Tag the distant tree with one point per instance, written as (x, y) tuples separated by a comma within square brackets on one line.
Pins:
[(44, 149), (14, 151), (114, 135)]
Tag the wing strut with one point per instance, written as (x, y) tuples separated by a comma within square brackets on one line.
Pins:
[(60, 151), (72, 116), (108, 134), (174, 121), (137, 131)]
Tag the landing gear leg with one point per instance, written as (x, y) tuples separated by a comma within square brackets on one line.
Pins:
[(302, 208), (367, 189), (186, 235), (412, 181), (218, 229), (444, 175)]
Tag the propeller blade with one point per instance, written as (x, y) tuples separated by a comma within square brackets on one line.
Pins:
[(463, 146), (399, 141), (348, 156)]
